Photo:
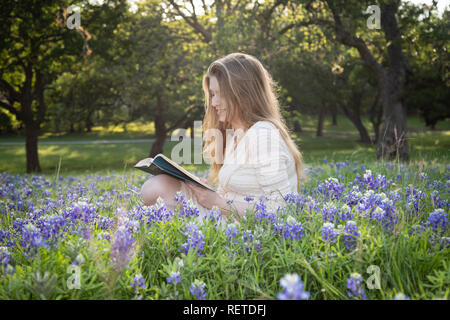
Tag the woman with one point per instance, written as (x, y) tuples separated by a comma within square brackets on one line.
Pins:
[(257, 158)]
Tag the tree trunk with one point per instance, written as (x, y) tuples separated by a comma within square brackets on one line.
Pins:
[(376, 114), (334, 115), (31, 147), (391, 80), (160, 127), (393, 142), (297, 126), (355, 116), (322, 112)]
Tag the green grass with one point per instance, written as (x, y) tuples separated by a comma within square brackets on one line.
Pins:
[(409, 262), (425, 145)]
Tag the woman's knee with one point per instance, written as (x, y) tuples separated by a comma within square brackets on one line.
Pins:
[(163, 186)]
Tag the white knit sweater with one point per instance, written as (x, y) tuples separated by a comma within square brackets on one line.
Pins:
[(260, 164)]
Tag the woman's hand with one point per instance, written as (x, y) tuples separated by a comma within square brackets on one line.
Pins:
[(207, 198)]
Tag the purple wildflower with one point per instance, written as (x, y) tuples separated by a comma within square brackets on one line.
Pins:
[(198, 289), (351, 233), (189, 208), (354, 284), (138, 282), (329, 212), (438, 221), (122, 248), (293, 288), (331, 188), (329, 233), (195, 240), (174, 277), (291, 229), (232, 232), (5, 256), (401, 296), (345, 213)]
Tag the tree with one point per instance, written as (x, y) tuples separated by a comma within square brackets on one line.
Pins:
[(426, 39), (159, 66), (35, 49), (383, 57)]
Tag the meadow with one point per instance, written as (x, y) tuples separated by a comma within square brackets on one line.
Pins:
[(359, 229)]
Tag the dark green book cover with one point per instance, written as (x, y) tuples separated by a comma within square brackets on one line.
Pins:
[(161, 164)]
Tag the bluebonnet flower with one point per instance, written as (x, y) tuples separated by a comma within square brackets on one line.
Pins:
[(293, 288), (198, 289), (104, 235), (261, 208), (174, 277), (331, 189), (138, 282), (351, 233), (79, 260), (232, 232), (423, 176), (195, 240), (214, 215), (122, 248), (291, 229), (401, 296), (31, 237), (352, 198), (249, 241), (329, 212), (345, 213), (387, 212), (437, 201), (329, 233), (159, 211), (371, 182), (248, 198), (354, 284), (5, 256), (414, 198), (438, 221), (189, 209), (444, 243)]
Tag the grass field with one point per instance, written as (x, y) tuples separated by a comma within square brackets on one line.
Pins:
[(351, 219), (338, 144)]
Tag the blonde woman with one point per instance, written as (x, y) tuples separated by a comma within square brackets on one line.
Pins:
[(247, 143)]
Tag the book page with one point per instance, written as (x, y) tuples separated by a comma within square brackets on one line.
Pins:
[(144, 162)]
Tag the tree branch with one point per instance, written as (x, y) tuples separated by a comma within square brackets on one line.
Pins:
[(348, 39), (193, 22)]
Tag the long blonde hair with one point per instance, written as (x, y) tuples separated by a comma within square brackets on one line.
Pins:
[(249, 93)]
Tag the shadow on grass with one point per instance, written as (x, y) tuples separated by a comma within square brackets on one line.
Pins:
[(118, 157)]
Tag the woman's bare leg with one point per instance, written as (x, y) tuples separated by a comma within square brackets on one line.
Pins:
[(163, 186)]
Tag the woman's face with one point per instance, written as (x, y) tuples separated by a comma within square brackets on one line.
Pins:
[(217, 102)]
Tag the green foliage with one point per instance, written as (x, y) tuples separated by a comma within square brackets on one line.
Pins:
[(411, 263)]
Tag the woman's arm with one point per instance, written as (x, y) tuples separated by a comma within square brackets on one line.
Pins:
[(209, 199)]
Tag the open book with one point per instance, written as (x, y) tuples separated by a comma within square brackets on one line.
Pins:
[(161, 164)]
